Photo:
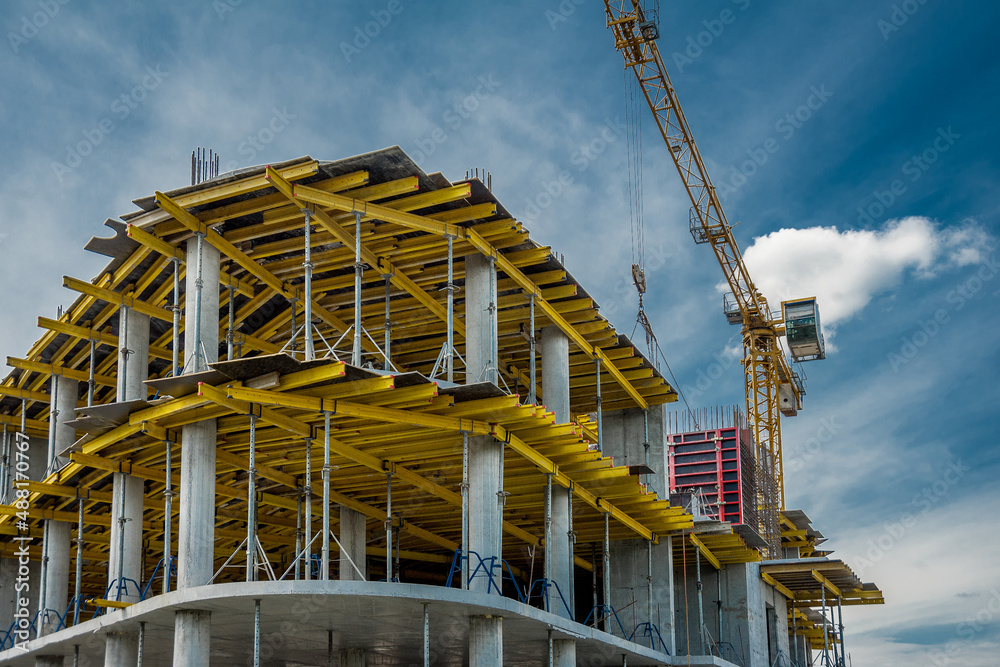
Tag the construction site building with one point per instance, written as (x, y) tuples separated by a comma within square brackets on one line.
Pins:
[(349, 413)]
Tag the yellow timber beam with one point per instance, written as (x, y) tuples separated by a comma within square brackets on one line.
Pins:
[(36, 426), (346, 501), (152, 242), (421, 223), (778, 586), (256, 182), (24, 394), (53, 369), (826, 583), (61, 491), (115, 298), (705, 551), (471, 426), (369, 461), (188, 219), (380, 264), (100, 337)]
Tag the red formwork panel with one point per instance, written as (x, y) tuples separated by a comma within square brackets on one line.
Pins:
[(718, 465)]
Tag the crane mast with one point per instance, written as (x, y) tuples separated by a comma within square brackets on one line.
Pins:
[(771, 386)]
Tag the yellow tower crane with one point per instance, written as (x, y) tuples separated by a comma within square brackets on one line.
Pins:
[(772, 387)]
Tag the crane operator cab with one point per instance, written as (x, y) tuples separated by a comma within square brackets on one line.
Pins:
[(802, 329)]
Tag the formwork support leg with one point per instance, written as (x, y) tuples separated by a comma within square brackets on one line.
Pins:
[(388, 527), (701, 609), (168, 510), (607, 572), (600, 415), (533, 386), (325, 544), (252, 503), (307, 500), (465, 511), (307, 267), (427, 636)]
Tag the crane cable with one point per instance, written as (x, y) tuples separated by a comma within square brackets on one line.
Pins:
[(633, 135)]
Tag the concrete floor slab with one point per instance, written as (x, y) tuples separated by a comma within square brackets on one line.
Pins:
[(386, 620)]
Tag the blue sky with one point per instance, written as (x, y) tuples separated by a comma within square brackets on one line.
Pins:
[(895, 456)]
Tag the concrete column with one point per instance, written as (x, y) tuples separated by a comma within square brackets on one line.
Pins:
[(210, 265), (125, 546), (555, 392), (744, 617), (67, 393), (352, 657), (555, 373), (196, 532), (192, 638), (196, 529), (485, 641), (55, 566), (480, 321), (126, 538), (353, 539), (133, 354), (564, 653), (484, 452), (121, 649), (624, 439), (57, 535), (484, 510)]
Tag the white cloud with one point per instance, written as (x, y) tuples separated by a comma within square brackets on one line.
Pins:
[(845, 269)]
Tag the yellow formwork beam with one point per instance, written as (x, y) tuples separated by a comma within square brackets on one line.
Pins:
[(829, 585), (53, 369), (778, 586), (471, 426), (36, 426), (232, 252), (25, 394), (153, 242), (380, 264), (62, 491), (100, 337), (705, 551), (115, 298), (505, 264), (369, 461), (243, 186)]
